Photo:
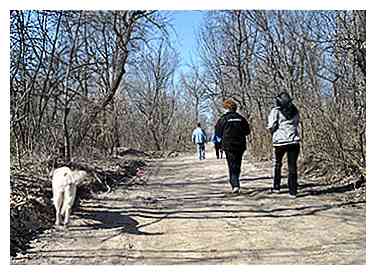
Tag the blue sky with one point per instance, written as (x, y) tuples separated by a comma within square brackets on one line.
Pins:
[(186, 25)]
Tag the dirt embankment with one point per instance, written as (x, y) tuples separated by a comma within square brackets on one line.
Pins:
[(31, 207)]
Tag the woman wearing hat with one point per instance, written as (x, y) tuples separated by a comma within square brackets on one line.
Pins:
[(232, 129), (283, 123)]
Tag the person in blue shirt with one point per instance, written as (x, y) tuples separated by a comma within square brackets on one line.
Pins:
[(217, 146), (199, 138)]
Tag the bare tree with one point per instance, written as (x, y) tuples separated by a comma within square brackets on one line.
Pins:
[(153, 94), (195, 91), (66, 69), (316, 56)]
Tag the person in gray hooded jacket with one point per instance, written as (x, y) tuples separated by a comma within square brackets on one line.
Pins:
[(283, 123)]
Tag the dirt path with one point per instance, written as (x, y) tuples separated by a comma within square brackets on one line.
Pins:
[(186, 215)]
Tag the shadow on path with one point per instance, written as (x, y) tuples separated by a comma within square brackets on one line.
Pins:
[(109, 219), (317, 189)]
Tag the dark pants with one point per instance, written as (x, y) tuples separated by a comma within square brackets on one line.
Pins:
[(218, 150), (292, 157), (234, 162)]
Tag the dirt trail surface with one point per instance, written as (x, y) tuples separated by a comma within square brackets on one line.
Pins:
[(185, 214)]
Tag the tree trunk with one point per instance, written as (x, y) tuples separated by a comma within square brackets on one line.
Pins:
[(67, 151)]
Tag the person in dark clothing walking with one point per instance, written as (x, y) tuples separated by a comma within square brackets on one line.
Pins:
[(233, 128), (283, 124), (217, 146)]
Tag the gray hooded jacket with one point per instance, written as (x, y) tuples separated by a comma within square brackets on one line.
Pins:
[(284, 131)]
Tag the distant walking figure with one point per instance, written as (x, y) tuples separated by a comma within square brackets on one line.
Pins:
[(283, 123), (199, 138), (232, 128), (217, 146)]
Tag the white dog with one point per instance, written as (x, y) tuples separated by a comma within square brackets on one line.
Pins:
[(64, 187)]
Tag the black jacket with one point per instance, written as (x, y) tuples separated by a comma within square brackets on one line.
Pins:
[(232, 128)]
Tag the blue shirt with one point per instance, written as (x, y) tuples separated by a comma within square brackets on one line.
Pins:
[(198, 136)]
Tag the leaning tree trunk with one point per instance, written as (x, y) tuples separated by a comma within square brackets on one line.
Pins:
[(67, 147)]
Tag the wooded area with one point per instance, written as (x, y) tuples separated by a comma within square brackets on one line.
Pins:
[(317, 57), (87, 86), (86, 82)]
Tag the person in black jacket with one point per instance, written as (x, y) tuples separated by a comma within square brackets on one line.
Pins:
[(232, 128), (217, 146)]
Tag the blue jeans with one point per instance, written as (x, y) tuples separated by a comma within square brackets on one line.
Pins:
[(201, 151)]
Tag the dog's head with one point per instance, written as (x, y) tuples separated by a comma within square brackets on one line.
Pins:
[(79, 176)]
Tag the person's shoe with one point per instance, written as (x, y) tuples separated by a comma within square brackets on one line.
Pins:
[(292, 196), (236, 190), (277, 191)]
